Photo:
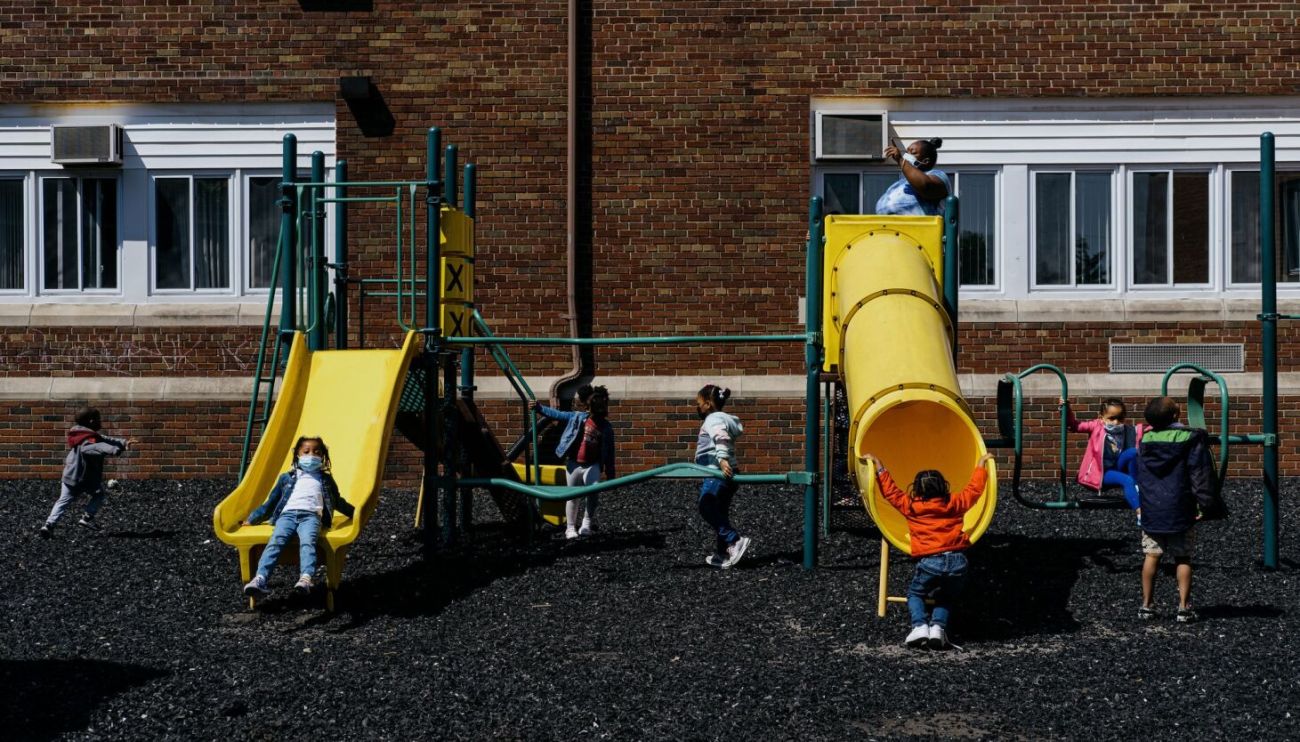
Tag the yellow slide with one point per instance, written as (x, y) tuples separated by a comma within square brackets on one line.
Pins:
[(888, 335), (350, 399)]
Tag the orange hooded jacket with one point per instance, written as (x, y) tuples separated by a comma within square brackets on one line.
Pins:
[(935, 525)]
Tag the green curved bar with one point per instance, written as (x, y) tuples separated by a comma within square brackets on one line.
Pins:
[(668, 471), (1061, 499), (1196, 408)]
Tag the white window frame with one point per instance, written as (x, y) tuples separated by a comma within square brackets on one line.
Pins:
[(232, 265), (1226, 229), (38, 233), (242, 226), (1117, 250), (1214, 208)]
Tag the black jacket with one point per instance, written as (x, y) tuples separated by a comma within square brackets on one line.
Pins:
[(1175, 477)]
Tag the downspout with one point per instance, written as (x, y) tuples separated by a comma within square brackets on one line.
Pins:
[(571, 216)]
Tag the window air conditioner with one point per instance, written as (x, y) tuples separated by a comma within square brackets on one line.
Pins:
[(851, 136), (86, 145)]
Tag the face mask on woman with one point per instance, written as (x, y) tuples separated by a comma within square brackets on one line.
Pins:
[(310, 463)]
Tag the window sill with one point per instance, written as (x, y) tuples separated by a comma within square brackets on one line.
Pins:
[(133, 315)]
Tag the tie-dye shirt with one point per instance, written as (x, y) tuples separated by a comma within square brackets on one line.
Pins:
[(901, 200)]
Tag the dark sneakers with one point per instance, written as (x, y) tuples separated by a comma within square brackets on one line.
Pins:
[(1187, 615), (46, 531), (88, 523)]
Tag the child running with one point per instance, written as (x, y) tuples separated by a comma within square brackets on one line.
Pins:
[(303, 498), (587, 447), (83, 469), (934, 521), (1176, 485), (1112, 448), (716, 447)]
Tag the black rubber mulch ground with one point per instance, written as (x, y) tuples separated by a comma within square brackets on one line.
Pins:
[(139, 631)]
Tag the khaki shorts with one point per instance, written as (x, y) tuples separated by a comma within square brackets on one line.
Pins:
[(1174, 544)]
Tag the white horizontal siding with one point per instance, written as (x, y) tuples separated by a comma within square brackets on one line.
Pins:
[(190, 137), (1039, 132)]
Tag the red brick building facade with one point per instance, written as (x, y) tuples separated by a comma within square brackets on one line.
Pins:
[(694, 172)]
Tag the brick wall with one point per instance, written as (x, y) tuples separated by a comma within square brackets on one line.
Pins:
[(198, 440)]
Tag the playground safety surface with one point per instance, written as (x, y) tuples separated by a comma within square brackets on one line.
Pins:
[(138, 631)]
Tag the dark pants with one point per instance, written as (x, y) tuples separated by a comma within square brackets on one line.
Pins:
[(715, 505), (939, 577)]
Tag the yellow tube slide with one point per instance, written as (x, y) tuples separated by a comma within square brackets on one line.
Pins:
[(889, 337), (350, 399)]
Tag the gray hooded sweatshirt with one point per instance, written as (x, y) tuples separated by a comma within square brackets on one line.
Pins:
[(83, 469), (717, 440)]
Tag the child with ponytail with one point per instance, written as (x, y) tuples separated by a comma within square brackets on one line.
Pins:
[(716, 448)]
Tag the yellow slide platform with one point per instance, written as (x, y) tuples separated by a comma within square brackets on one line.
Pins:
[(350, 399), (889, 337)]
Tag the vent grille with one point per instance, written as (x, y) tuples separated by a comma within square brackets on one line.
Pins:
[(857, 136), (86, 145), (1147, 358)]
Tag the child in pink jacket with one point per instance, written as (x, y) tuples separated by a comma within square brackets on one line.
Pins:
[(1112, 447)]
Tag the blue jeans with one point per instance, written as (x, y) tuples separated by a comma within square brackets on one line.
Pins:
[(67, 495), (1122, 475), (939, 577), (715, 505), (306, 524)]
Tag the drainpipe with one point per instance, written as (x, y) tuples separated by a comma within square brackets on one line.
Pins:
[(571, 217)]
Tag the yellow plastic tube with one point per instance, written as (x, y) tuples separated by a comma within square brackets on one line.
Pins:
[(889, 337)]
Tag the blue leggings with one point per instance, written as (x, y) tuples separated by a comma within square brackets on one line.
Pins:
[(1122, 475)]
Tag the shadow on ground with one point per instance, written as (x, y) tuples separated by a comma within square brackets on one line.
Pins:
[(43, 699)]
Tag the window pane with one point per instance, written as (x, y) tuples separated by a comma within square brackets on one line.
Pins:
[(172, 228), (840, 192), (1150, 228), (1191, 228), (11, 234), (978, 230), (874, 186), (59, 233), (1245, 226), (1287, 229), (1092, 228), (1052, 228), (99, 233), (212, 233), (263, 229)]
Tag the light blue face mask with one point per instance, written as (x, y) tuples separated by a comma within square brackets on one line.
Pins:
[(310, 463)]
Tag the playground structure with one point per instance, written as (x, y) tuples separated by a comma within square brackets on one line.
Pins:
[(884, 329)]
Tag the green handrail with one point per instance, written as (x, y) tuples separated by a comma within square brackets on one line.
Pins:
[(1018, 440), (520, 384), (649, 340), (1196, 409), (682, 470), (261, 359)]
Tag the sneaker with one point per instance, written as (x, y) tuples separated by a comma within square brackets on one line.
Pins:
[(919, 637), (718, 559), (570, 533), (256, 588), (45, 531), (1146, 613), (303, 585), (1187, 615), (938, 637), (88, 523), (588, 527), (735, 552)]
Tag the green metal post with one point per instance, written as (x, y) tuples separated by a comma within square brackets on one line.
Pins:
[(431, 480), (451, 455), (314, 274), (813, 357), (449, 177), (1269, 318), (288, 238), (467, 355), (341, 257), (951, 265)]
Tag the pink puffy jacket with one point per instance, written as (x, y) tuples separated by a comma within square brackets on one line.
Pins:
[(1092, 468)]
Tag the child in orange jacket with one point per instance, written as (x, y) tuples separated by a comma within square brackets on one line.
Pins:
[(934, 521)]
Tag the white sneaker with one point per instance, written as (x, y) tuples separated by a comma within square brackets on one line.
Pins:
[(735, 552), (303, 586), (938, 637), (256, 588), (716, 560), (570, 533), (588, 527), (918, 637)]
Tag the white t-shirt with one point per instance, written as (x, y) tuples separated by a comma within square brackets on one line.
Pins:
[(308, 493)]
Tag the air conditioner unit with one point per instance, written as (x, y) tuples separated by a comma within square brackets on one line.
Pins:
[(86, 145), (859, 135)]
